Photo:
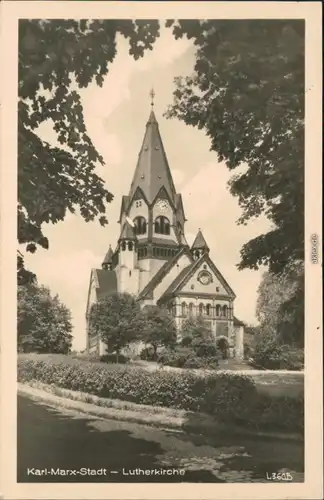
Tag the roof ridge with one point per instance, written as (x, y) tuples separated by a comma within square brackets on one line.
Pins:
[(159, 275)]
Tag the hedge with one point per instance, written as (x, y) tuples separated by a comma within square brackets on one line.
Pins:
[(230, 397)]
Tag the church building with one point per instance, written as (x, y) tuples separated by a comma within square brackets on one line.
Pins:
[(152, 259)]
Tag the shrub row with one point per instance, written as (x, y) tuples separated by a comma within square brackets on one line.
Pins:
[(230, 397), (273, 356), (186, 357)]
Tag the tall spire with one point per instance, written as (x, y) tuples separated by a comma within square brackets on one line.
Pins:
[(152, 171)]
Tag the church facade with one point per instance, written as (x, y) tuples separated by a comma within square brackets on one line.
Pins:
[(152, 259)]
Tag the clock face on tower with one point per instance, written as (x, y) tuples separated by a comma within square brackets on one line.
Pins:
[(205, 277), (163, 205)]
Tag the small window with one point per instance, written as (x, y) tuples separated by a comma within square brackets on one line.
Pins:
[(138, 203), (218, 310), (123, 246), (201, 309), (191, 309), (184, 309), (205, 267), (217, 289), (208, 308), (130, 246)]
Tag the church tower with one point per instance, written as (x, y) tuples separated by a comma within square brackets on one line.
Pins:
[(152, 209), (152, 259)]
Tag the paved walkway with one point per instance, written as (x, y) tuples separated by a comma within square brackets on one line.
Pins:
[(63, 439)]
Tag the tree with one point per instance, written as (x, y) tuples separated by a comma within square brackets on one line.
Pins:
[(280, 306), (44, 323), (55, 58), (247, 93), (159, 329), (197, 334), (195, 328), (117, 319), (24, 277)]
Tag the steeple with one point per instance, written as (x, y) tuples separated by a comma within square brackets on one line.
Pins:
[(199, 245), (152, 171), (107, 262), (108, 257)]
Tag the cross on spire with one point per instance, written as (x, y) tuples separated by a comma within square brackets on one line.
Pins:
[(152, 95)]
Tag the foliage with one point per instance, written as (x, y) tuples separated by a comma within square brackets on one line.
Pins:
[(56, 57), (272, 355), (198, 362), (175, 357), (24, 277), (247, 94), (117, 319), (43, 322), (148, 354), (114, 358), (186, 357), (159, 328), (280, 305), (195, 328), (230, 397)]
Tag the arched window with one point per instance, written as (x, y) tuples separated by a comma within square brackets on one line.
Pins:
[(191, 309), (201, 309), (218, 310), (140, 225), (208, 309), (130, 246), (123, 246), (162, 225), (225, 309), (184, 309)]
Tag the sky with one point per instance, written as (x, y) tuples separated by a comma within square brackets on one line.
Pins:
[(115, 117)]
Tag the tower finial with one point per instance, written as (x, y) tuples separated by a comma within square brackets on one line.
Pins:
[(152, 95)]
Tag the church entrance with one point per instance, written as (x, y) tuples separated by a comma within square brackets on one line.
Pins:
[(223, 347)]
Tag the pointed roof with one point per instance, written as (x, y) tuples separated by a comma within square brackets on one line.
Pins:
[(127, 232), (152, 171), (200, 242), (109, 255), (157, 278), (176, 286)]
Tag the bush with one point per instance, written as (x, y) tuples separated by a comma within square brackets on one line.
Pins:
[(204, 349), (210, 363), (230, 397), (176, 358), (148, 354), (112, 358), (271, 355)]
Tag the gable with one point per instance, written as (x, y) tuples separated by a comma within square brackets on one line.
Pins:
[(148, 290), (205, 278), (169, 277)]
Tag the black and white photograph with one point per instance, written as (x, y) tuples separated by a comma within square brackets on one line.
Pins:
[(163, 258)]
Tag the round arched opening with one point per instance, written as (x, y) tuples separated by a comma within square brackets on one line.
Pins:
[(223, 347)]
